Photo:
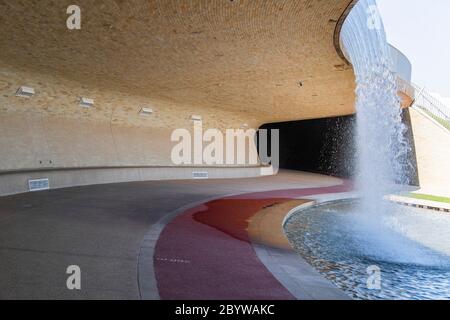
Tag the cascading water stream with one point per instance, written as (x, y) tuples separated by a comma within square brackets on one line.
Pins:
[(344, 240), (381, 143)]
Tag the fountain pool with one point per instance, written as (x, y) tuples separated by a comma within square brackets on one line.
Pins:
[(350, 242), (411, 248)]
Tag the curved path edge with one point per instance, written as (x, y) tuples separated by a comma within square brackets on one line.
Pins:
[(148, 289), (291, 270)]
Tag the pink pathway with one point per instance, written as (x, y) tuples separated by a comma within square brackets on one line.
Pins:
[(205, 253)]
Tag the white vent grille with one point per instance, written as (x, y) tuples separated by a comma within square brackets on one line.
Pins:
[(38, 184), (200, 175)]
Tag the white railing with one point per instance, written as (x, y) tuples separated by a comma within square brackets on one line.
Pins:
[(425, 101)]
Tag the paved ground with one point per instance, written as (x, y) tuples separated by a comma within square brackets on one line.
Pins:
[(207, 252), (100, 228)]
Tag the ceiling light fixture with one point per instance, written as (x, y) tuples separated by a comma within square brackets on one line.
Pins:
[(145, 111), (86, 102), (25, 92), (195, 117)]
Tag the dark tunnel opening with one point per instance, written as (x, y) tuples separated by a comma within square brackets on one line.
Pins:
[(327, 146)]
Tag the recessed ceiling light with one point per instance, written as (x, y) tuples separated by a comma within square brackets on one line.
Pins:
[(195, 117), (86, 102), (145, 111), (244, 126), (25, 92)]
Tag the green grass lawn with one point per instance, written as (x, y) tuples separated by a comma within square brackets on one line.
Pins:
[(442, 122), (429, 197)]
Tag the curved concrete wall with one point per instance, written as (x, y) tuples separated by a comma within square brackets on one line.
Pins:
[(17, 181), (51, 136), (52, 130)]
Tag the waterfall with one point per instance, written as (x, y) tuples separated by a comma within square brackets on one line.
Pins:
[(381, 143)]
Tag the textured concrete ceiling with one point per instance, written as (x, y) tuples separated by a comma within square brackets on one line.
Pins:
[(273, 58)]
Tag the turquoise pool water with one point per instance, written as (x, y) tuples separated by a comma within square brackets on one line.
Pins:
[(411, 248)]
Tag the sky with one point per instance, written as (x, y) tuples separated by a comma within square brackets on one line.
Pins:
[(421, 30)]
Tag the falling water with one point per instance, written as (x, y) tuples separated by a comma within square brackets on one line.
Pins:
[(381, 143), (342, 239)]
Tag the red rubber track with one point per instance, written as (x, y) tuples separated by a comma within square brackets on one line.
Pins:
[(205, 253)]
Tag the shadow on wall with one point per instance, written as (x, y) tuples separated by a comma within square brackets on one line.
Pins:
[(327, 146)]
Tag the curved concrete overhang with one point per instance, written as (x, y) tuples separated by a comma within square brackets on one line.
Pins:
[(232, 62), (400, 62), (338, 29), (403, 68), (242, 57)]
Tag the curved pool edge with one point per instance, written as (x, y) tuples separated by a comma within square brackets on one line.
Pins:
[(297, 276), (293, 271), (419, 274), (320, 200), (286, 267)]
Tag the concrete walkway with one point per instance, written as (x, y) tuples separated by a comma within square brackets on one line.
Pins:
[(207, 252), (101, 228)]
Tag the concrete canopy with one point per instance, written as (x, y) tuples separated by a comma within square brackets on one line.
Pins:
[(259, 61), (237, 64)]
